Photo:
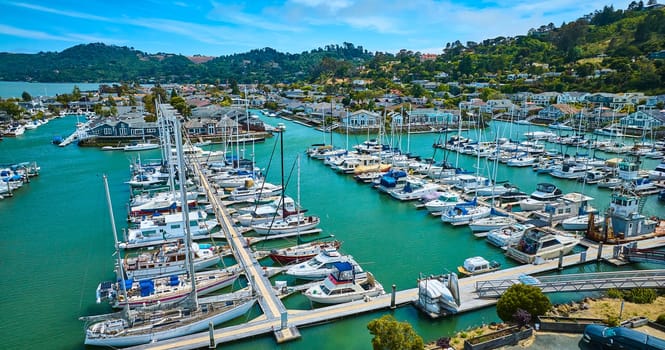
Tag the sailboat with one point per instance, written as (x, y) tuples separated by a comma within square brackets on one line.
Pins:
[(143, 326)]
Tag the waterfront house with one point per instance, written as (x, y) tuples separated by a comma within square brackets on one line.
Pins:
[(571, 97), (432, 117), (361, 119), (600, 98), (544, 98), (557, 112), (497, 106), (473, 104), (644, 119), (130, 125)]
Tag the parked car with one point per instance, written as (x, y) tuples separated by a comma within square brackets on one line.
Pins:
[(621, 338)]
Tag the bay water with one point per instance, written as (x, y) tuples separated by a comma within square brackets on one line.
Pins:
[(57, 242)]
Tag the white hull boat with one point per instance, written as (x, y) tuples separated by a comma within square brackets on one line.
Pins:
[(343, 286), (491, 223), (461, 215), (151, 326), (581, 222), (289, 224)]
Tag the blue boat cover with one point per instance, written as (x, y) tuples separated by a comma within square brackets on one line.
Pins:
[(343, 266), (173, 281)]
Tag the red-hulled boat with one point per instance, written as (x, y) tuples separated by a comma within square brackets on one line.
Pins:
[(301, 252)]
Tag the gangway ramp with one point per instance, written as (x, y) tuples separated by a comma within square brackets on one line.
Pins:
[(644, 255), (578, 282)]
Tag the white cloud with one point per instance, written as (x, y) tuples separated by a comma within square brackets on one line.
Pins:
[(31, 34), (74, 14)]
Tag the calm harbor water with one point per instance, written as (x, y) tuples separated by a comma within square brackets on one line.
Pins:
[(16, 88), (57, 242)]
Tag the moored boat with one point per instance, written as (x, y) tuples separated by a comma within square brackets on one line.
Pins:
[(477, 265), (301, 252), (343, 286), (536, 246)]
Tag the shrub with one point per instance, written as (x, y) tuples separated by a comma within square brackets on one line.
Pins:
[(521, 296), (641, 295), (390, 334), (521, 317), (614, 293), (612, 321), (661, 319), (443, 342)]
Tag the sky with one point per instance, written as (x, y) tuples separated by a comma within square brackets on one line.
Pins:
[(215, 28)]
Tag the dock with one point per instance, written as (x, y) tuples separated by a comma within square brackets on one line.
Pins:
[(284, 323)]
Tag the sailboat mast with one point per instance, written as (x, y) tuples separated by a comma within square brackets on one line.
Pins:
[(332, 101), (298, 196), (282, 129), (408, 132), (121, 270), (182, 176)]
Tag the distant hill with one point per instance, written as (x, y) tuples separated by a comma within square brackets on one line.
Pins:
[(608, 50), (98, 62)]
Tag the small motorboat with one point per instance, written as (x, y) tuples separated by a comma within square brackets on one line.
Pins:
[(477, 265)]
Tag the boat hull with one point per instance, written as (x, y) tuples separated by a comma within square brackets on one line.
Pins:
[(194, 327)]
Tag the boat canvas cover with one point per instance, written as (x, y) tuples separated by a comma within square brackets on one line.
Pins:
[(343, 266)]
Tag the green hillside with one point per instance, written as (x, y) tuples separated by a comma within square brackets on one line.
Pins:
[(609, 50)]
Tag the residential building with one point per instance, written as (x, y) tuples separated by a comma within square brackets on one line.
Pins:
[(644, 119), (557, 112), (361, 119)]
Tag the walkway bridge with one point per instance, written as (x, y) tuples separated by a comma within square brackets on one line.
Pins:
[(577, 282)]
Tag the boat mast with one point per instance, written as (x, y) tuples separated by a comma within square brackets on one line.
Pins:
[(182, 176), (332, 101), (298, 203), (121, 270)]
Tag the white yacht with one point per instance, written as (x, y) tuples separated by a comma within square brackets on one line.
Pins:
[(570, 171), (507, 235), (658, 173), (321, 265), (545, 193), (414, 190), (536, 246), (464, 215), (446, 201), (570, 205), (343, 285)]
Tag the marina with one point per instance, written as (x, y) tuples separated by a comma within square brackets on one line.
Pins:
[(358, 242)]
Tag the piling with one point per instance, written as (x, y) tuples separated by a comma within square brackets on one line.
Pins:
[(600, 251), (392, 298), (211, 332), (560, 260)]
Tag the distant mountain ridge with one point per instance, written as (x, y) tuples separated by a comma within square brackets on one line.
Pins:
[(608, 50)]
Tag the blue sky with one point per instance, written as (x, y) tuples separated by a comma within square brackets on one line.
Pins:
[(221, 27)]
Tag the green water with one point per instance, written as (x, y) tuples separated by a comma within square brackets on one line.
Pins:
[(57, 245)]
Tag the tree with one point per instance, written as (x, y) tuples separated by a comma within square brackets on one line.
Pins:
[(521, 296), (26, 96), (390, 334)]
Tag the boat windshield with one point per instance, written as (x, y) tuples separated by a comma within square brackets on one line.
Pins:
[(314, 262)]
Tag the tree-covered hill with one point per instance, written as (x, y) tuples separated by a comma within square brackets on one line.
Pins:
[(608, 50)]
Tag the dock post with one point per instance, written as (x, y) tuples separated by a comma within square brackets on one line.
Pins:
[(211, 332), (285, 320), (600, 251), (560, 260), (392, 298)]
